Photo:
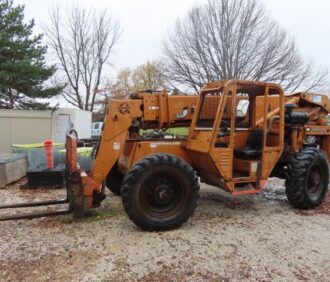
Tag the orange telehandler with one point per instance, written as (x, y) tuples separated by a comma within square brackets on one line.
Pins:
[(240, 133)]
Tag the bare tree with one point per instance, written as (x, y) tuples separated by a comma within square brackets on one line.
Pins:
[(227, 39), (83, 42)]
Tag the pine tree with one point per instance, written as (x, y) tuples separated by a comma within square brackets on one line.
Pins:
[(23, 71)]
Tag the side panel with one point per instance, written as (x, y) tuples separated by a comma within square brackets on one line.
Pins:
[(325, 145), (223, 159), (137, 150), (207, 168), (269, 159)]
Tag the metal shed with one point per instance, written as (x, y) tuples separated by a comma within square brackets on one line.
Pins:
[(22, 127)]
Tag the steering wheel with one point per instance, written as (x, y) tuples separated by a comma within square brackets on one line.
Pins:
[(224, 131), (224, 123)]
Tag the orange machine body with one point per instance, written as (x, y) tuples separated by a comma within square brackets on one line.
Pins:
[(218, 133)]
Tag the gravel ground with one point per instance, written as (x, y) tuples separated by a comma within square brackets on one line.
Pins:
[(228, 239)]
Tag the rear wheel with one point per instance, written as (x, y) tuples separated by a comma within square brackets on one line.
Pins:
[(308, 178), (160, 192)]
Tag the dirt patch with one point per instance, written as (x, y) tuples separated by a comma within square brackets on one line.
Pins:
[(324, 208), (55, 267), (170, 273), (259, 237)]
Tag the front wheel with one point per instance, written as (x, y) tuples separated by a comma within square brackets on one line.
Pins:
[(308, 178), (160, 192)]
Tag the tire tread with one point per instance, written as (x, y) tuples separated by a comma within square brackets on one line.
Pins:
[(296, 178), (138, 169)]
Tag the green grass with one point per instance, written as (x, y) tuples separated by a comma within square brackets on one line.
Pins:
[(175, 131), (81, 151), (178, 131), (35, 145), (113, 211)]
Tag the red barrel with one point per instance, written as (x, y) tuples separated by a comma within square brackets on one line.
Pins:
[(48, 145)]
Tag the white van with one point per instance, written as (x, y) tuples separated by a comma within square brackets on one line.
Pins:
[(96, 129)]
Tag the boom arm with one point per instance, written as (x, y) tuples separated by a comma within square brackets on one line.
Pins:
[(117, 121), (157, 110)]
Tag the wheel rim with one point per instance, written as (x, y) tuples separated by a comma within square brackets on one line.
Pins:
[(161, 195), (314, 181)]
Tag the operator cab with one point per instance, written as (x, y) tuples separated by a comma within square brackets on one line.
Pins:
[(237, 130)]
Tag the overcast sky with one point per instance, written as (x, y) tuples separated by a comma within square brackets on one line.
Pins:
[(146, 23)]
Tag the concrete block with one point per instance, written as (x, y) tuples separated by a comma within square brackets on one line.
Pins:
[(12, 168)]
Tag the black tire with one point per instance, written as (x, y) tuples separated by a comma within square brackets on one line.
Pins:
[(307, 178), (160, 192), (114, 181)]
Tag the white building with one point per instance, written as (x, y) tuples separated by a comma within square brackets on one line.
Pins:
[(26, 127)]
